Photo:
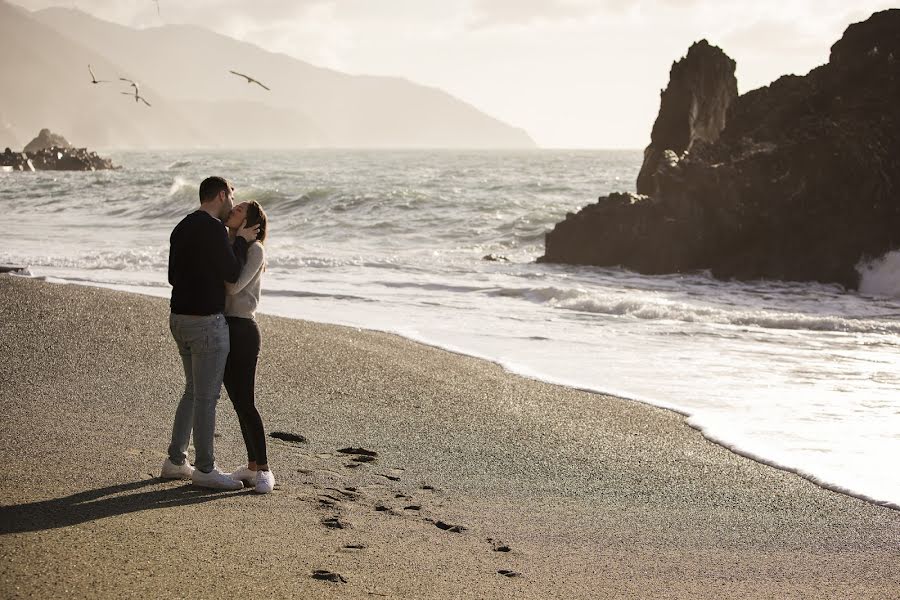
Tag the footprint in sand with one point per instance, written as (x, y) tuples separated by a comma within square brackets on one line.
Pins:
[(508, 573), (359, 456), (328, 576), (288, 437), (354, 547), (358, 452), (385, 509), (499, 546), (448, 526), (334, 523), (329, 502), (348, 493)]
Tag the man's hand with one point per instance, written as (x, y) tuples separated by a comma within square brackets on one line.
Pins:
[(248, 233)]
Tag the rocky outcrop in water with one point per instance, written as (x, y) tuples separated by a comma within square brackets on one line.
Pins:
[(801, 184), (15, 161), (47, 139), (69, 159), (52, 158), (692, 108)]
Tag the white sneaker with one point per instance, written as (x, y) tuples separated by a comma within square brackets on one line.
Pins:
[(246, 475), (265, 482), (172, 471), (215, 479)]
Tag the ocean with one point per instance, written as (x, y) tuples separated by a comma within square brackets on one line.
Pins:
[(802, 376)]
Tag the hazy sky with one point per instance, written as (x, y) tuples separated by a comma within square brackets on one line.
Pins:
[(572, 73)]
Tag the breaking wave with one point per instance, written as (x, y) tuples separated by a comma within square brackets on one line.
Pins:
[(655, 307), (881, 277)]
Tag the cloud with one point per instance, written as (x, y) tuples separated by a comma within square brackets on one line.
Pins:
[(208, 13), (485, 14)]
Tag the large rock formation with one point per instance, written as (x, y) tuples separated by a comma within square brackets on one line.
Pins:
[(802, 183), (47, 139), (692, 108), (38, 157)]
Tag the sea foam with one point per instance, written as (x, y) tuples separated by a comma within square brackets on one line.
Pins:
[(653, 306), (881, 277)]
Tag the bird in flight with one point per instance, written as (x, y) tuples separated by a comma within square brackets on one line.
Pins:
[(250, 79), (137, 90), (94, 79), (133, 84), (137, 96)]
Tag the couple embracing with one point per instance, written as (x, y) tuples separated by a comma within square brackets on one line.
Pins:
[(216, 261)]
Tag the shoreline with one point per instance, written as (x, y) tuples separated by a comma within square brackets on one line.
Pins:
[(685, 414), (596, 496)]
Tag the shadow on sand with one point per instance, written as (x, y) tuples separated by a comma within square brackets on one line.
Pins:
[(96, 504)]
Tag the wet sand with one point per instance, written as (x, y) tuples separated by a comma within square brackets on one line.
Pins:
[(485, 484)]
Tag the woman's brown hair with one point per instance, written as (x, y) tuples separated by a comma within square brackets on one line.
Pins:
[(256, 214)]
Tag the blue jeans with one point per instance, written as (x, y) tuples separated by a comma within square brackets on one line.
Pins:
[(203, 345)]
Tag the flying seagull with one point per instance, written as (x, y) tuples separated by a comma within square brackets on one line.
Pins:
[(133, 84), (250, 79), (94, 79), (137, 96), (137, 90)]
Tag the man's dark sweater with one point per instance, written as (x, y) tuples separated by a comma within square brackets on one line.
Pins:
[(201, 260)]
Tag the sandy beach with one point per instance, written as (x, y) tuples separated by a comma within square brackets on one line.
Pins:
[(485, 484)]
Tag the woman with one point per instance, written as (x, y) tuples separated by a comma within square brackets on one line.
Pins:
[(241, 301)]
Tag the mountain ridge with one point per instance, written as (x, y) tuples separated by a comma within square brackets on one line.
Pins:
[(180, 67)]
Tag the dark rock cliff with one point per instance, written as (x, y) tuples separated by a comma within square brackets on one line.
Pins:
[(692, 108), (801, 184)]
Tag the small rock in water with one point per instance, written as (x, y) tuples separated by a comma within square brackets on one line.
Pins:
[(495, 257), (328, 576)]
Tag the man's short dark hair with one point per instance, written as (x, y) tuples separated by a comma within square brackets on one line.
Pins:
[(211, 186)]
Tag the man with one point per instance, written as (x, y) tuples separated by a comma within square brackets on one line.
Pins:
[(201, 260)]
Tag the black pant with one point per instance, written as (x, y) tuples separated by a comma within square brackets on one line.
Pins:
[(240, 382)]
